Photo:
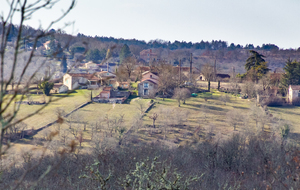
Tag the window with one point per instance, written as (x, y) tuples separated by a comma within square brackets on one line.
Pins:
[(146, 85), (146, 91)]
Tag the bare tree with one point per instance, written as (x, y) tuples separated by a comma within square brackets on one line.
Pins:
[(154, 117), (181, 94), (224, 98), (208, 71), (14, 73), (126, 68), (166, 82), (233, 118), (141, 106)]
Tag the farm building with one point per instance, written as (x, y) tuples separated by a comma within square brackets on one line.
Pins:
[(293, 93)]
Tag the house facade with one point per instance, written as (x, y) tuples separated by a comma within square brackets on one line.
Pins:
[(147, 55), (293, 93), (148, 85), (76, 80), (108, 95)]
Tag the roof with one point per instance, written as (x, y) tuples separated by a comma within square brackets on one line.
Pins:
[(84, 75), (295, 87), (148, 51), (150, 80), (223, 75), (57, 85), (146, 72), (186, 69), (108, 88)]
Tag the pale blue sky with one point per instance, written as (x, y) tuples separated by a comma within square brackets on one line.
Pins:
[(237, 21)]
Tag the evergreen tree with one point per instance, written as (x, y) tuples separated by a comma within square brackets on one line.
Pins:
[(93, 55), (124, 53), (254, 60), (256, 66), (46, 86), (64, 64), (291, 75)]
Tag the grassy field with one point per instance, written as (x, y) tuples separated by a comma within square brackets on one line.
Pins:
[(199, 115), (49, 114)]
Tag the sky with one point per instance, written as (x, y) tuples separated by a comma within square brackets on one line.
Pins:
[(235, 21)]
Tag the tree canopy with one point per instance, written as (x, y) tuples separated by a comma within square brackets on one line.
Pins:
[(254, 60), (124, 53), (292, 73), (93, 55), (256, 66)]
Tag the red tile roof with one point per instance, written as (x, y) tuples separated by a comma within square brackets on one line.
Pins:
[(151, 80)]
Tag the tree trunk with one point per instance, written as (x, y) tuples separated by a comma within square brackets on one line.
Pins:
[(178, 103)]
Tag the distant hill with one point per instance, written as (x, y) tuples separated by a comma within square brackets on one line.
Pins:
[(226, 55)]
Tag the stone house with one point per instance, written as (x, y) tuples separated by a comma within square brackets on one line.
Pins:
[(293, 93), (148, 85), (90, 65), (108, 95), (59, 88), (123, 85), (147, 55), (81, 80), (105, 77)]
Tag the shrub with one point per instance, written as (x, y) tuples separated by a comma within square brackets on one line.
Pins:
[(273, 101)]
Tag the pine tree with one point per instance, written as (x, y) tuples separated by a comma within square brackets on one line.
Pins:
[(254, 60), (256, 66), (93, 55), (125, 52), (64, 64), (291, 75)]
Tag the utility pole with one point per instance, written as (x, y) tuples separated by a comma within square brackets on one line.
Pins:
[(179, 71), (191, 67), (215, 70)]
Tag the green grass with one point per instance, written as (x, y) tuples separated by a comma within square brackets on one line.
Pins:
[(48, 114), (288, 113)]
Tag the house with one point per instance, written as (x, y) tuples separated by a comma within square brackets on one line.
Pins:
[(108, 95), (105, 77), (90, 65), (222, 77), (219, 77), (148, 85), (123, 85), (81, 80), (46, 45), (147, 55), (59, 88), (110, 67), (293, 93), (105, 92)]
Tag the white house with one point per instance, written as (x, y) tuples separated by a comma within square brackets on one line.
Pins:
[(294, 93), (75, 80)]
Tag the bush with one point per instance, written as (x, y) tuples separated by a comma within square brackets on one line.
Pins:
[(273, 101), (296, 102)]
